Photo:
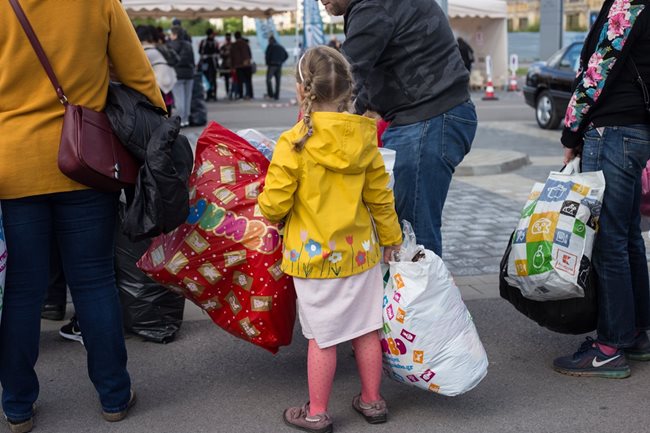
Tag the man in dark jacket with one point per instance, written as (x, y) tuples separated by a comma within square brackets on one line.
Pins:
[(276, 55), (209, 62), (241, 61), (184, 73), (407, 67)]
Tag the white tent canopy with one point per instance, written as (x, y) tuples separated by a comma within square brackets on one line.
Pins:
[(483, 24), (207, 8)]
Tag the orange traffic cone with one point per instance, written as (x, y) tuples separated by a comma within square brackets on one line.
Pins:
[(513, 86), (489, 91)]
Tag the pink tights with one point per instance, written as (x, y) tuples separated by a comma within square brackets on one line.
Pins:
[(321, 366)]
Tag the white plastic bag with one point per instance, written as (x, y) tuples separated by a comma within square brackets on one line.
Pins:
[(259, 141), (3, 262), (429, 339), (389, 162), (551, 247)]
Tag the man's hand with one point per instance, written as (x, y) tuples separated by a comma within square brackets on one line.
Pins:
[(388, 252), (569, 154)]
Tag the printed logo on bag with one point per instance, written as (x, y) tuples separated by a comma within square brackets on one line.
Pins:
[(204, 168), (595, 192), (434, 388), (158, 256), (542, 226), (248, 167), (276, 270), (252, 190), (224, 195), (569, 208), (412, 378), (195, 288), (223, 150), (539, 255), (407, 336), (210, 305), (519, 237), (197, 242), (534, 194), (418, 356), (399, 283), (583, 275), (565, 261), (261, 303), (579, 228), (192, 193), (386, 328), (427, 375), (593, 222), (555, 190), (400, 316), (390, 313), (228, 174), (178, 262), (562, 238), (580, 189), (522, 267), (593, 205), (234, 258), (397, 296), (385, 302), (242, 280), (248, 328), (529, 209), (210, 273), (233, 303)]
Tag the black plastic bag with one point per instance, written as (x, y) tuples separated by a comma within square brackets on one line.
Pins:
[(149, 309), (567, 316)]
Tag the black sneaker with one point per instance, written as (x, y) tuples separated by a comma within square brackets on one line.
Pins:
[(640, 350), (71, 331), (589, 361)]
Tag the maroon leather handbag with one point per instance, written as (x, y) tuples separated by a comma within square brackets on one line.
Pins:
[(89, 152)]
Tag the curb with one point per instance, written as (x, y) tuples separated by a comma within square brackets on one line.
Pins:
[(482, 162)]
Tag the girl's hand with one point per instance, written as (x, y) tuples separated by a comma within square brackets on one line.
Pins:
[(388, 252)]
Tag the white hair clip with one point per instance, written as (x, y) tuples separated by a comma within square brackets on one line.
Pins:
[(302, 78)]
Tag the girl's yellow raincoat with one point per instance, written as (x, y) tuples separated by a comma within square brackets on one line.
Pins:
[(330, 193)]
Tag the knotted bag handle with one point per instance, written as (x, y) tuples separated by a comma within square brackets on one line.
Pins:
[(40, 53)]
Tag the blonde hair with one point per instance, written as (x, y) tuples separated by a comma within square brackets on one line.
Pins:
[(326, 77)]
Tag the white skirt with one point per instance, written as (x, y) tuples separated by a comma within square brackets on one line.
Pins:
[(335, 310)]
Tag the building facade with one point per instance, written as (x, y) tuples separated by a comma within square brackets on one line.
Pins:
[(523, 15)]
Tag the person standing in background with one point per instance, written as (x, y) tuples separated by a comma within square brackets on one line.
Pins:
[(40, 203), (241, 60), (275, 55), (209, 62), (185, 75), (423, 91), (224, 53)]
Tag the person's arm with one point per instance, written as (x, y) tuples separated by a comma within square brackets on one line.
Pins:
[(277, 197), (267, 54), (381, 202), (369, 31), (130, 63)]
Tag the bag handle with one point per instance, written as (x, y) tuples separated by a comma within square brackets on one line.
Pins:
[(40, 53), (572, 166)]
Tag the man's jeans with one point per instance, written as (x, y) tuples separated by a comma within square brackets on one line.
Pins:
[(619, 252), (83, 223), (427, 155), (183, 99), (273, 72)]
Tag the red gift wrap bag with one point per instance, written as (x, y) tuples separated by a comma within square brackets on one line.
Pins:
[(226, 257)]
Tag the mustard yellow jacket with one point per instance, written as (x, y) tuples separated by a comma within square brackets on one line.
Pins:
[(80, 38), (331, 192)]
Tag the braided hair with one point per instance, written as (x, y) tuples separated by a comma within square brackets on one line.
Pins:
[(326, 78)]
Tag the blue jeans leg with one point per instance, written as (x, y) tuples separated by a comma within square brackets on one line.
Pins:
[(619, 252), (83, 223), (428, 152)]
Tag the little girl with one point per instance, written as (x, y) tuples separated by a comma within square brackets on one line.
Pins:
[(327, 178)]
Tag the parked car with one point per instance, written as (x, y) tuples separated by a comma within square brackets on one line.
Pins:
[(548, 85)]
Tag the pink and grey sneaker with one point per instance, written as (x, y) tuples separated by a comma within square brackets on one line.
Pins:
[(299, 418), (374, 413), (590, 361)]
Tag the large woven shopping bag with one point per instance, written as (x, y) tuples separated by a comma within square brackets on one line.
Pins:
[(226, 257), (552, 244)]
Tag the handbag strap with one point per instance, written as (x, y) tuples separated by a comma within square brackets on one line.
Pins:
[(40, 53)]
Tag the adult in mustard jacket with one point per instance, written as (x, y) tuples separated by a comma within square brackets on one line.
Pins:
[(329, 231), (39, 203)]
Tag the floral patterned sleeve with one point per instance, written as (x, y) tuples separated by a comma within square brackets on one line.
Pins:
[(593, 78)]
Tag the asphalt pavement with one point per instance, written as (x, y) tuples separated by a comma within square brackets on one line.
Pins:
[(208, 381)]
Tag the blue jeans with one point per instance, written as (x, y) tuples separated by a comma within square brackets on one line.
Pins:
[(427, 155), (619, 252), (83, 223)]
